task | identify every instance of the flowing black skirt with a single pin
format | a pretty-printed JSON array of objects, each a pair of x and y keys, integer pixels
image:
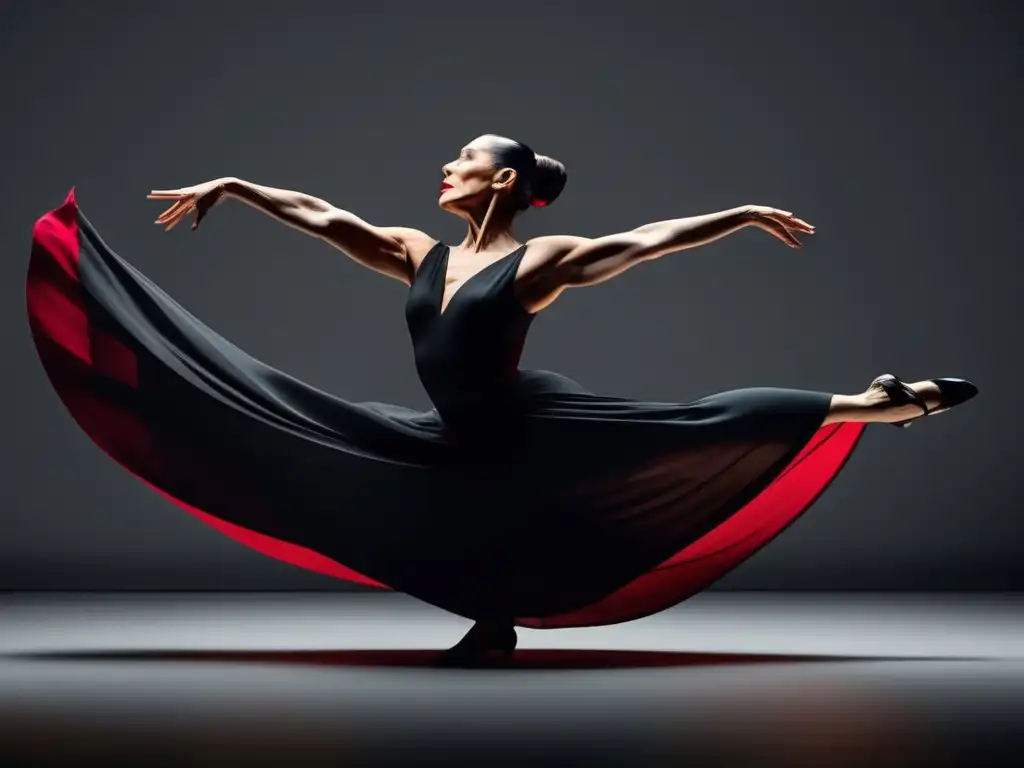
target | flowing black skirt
[{"x": 599, "y": 510}]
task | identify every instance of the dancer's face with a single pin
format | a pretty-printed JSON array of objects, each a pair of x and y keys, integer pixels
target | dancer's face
[{"x": 471, "y": 179}]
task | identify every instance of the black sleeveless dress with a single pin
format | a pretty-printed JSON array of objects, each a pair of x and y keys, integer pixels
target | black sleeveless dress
[{"x": 519, "y": 495}]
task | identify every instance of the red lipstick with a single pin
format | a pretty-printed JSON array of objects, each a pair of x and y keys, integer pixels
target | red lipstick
[{"x": 445, "y": 185}]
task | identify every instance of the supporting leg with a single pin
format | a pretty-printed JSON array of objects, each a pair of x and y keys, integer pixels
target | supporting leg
[{"x": 484, "y": 637}]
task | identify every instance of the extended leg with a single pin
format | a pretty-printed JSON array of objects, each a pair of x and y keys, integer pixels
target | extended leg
[{"x": 874, "y": 405}]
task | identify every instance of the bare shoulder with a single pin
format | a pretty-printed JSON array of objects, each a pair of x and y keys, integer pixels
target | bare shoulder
[
  {"x": 543, "y": 255},
  {"x": 415, "y": 244},
  {"x": 555, "y": 262},
  {"x": 537, "y": 282}
]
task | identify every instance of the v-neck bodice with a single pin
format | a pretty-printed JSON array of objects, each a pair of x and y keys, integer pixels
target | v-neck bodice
[
  {"x": 467, "y": 355},
  {"x": 442, "y": 274}
]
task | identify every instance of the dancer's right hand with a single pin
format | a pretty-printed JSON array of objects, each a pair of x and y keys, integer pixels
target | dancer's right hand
[{"x": 199, "y": 198}]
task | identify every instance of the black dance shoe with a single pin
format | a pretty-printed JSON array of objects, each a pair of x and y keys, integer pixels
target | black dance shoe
[
  {"x": 951, "y": 392},
  {"x": 483, "y": 638}
]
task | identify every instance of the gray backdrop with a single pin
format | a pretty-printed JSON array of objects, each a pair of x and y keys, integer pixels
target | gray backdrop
[{"x": 896, "y": 132}]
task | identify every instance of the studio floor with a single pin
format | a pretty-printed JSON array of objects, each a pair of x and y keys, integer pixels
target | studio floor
[{"x": 725, "y": 679}]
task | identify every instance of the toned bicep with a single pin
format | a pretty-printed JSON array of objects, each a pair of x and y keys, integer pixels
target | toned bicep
[
  {"x": 567, "y": 261},
  {"x": 391, "y": 251}
]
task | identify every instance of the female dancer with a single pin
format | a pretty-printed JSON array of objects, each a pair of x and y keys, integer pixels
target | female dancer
[{"x": 520, "y": 498}]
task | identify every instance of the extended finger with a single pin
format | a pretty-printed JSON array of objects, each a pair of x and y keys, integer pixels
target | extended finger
[
  {"x": 163, "y": 194},
  {"x": 792, "y": 222},
  {"x": 166, "y": 216},
  {"x": 176, "y": 220},
  {"x": 775, "y": 228},
  {"x": 179, "y": 202},
  {"x": 174, "y": 210},
  {"x": 167, "y": 213},
  {"x": 797, "y": 226}
]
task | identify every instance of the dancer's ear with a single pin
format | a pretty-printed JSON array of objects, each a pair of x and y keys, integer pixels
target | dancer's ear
[{"x": 504, "y": 179}]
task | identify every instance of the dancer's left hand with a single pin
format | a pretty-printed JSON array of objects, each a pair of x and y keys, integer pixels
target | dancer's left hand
[{"x": 781, "y": 224}]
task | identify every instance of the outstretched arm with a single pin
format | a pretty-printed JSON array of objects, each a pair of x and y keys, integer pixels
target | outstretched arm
[
  {"x": 560, "y": 261},
  {"x": 392, "y": 251}
]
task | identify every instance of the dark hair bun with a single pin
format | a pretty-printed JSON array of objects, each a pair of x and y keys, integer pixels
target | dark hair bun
[{"x": 548, "y": 180}]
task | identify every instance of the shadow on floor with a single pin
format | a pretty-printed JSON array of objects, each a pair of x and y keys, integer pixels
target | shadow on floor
[{"x": 523, "y": 659}]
